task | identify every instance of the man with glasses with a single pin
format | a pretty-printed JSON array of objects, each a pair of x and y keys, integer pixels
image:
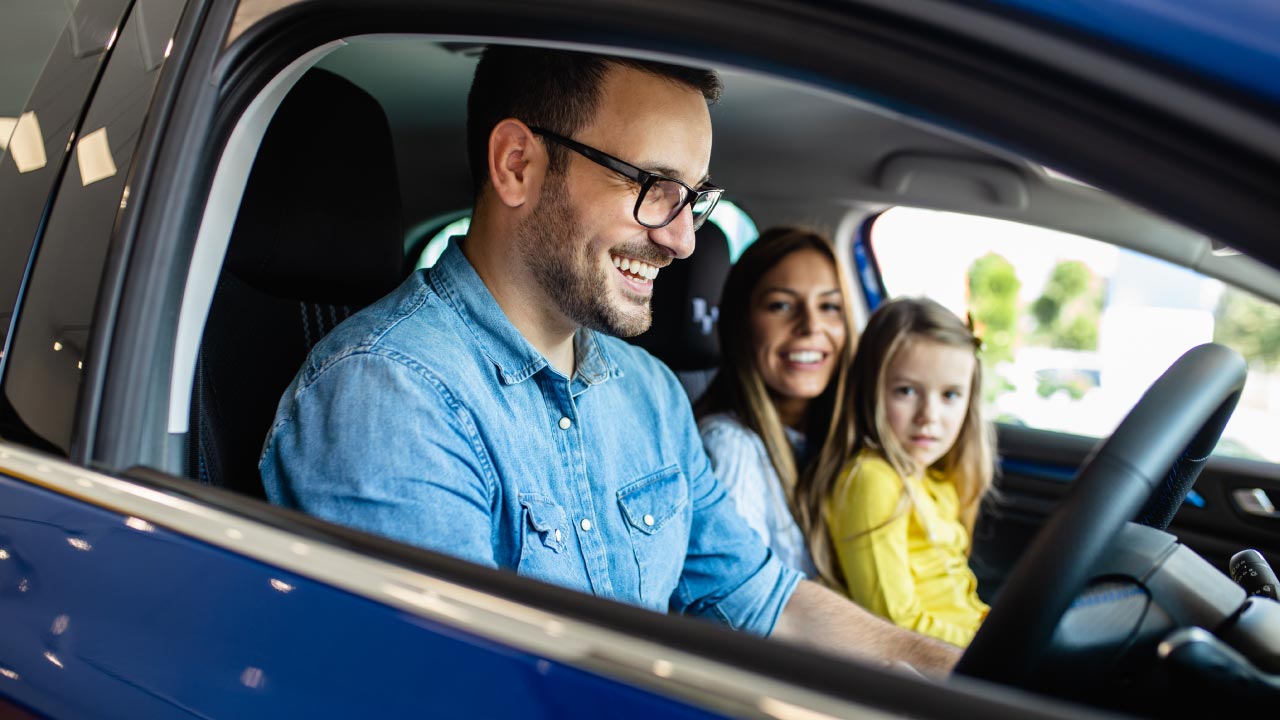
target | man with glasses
[{"x": 486, "y": 409}]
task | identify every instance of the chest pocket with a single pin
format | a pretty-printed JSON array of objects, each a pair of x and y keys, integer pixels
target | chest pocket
[
  {"x": 545, "y": 542},
  {"x": 658, "y": 515}
]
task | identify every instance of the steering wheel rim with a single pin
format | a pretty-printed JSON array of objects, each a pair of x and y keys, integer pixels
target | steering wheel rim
[{"x": 1178, "y": 420}]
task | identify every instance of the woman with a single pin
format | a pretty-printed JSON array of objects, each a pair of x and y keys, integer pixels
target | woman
[{"x": 786, "y": 346}]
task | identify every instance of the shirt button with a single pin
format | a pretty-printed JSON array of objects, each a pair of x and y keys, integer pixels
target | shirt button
[
  {"x": 565, "y": 423},
  {"x": 586, "y": 525},
  {"x": 648, "y": 520},
  {"x": 557, "y": 534}
]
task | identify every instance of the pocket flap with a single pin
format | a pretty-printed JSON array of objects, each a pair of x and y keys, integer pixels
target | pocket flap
[
  {"x": 547, "y": 519},
  {"x": 648, "y": 503}
]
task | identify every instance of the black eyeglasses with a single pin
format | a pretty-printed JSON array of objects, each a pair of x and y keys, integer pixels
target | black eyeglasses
[{"x": 661, "y": 198}]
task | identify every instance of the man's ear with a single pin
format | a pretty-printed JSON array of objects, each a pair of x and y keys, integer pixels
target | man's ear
[{"x": 517, "y": 162}]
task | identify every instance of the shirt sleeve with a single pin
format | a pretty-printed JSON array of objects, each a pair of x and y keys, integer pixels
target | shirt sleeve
[
  {"x": 429, "y": 465},
  {"x": 738, "y": 462},
  {"x": 869, "y": 529},
  {"x": 729, "y": 574}
]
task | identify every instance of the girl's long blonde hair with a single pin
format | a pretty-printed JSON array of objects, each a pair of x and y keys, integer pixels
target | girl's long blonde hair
[
  {"x": 969, "y": 463},
  {"x": 738, "y": 386}
]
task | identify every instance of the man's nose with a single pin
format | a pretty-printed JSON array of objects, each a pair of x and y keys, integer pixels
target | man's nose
[{"x": 676, "y": 236}]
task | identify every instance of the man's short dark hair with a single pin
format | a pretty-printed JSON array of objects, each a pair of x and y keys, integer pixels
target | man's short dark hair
[{"x": 554, "y": 89}]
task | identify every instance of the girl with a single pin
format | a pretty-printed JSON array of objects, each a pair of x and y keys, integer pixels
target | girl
[
  {"x": 901, "y": 512},
  {"x": 785, "y": 349}
]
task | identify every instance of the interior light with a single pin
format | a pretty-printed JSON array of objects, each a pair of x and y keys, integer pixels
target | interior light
[
  {"x": 93, "y": 153},
  {"x": 57, "y": 346},
  {"x": 26, "y": 145}
]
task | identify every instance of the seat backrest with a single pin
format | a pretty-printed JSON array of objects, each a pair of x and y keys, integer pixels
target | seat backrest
[
  {"x": 319, "y": 235},
  {"x": 686, "y": 308}
]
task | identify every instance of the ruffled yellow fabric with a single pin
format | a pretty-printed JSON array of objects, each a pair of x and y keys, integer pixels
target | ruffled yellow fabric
[{"x": 907, "y": 564}]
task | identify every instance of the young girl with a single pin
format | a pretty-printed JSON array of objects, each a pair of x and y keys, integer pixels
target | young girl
[{"x": 901, "y": 512}]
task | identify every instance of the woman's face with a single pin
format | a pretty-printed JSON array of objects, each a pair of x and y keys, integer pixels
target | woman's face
[{"x": 797, "y": 330}]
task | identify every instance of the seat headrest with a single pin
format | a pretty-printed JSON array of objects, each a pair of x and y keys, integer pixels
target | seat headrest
[
  {"x": 686, "y": 305},
  {"x": 321, "y": 216}
]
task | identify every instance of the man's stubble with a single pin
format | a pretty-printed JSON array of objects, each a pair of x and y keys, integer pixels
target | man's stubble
[{"x": 551, "y": 242}]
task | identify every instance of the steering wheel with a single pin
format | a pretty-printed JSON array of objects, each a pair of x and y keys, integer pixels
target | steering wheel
[{"x": 1148, "y": 464}]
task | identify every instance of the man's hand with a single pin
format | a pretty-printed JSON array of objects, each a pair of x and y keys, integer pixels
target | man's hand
[{"x": 817, "y": 617}]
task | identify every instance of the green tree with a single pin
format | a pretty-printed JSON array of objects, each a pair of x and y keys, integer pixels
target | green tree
[
  {"x": 1250, "y": 325},
  {"x": 993, "y": 303},
  {"x": 1068, "y": 311}
]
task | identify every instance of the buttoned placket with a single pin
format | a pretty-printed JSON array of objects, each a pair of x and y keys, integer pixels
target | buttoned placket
[{"x": 560, "y": 395}]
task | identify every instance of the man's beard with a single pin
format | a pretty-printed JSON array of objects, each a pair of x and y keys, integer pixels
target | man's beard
[{"x": 550, "y": 241}]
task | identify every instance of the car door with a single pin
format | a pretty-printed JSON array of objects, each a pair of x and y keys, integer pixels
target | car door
[{"x": 1074, "y": 330}]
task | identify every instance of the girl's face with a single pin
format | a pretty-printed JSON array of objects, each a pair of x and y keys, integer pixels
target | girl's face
[
  {"x": 926, "y": 397},
  {"x": 797, "y": 330}
]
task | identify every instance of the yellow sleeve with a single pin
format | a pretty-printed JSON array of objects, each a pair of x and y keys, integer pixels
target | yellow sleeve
[{"x": 873, "y": 550}]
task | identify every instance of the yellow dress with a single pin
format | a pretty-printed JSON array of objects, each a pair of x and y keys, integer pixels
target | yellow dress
[{"x": 895, "y": 568}]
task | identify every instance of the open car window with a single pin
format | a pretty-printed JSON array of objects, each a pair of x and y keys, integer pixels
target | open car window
[{"x": 1075, "y": 329}]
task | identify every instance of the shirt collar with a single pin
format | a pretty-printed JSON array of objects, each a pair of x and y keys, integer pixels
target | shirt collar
[{"x": 455, "y": 280}]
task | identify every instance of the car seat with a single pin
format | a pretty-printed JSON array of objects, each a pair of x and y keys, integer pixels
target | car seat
[
  {"x": 686, "y": 308},
  {"x": 319, "y": 235}
]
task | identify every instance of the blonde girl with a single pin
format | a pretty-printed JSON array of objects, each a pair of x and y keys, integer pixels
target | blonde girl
[{"x": 900, "y": 513}]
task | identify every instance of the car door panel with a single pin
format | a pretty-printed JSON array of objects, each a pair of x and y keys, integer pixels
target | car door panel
[{"x": 1036, "y": 470}]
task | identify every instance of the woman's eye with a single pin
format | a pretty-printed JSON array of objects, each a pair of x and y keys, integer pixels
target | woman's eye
[
  {"x": 904, "y": 391},
  {"x": 778, "y": 306},
  {"x": 833, "y": 307},
  {"x": 953, "y": 395}
]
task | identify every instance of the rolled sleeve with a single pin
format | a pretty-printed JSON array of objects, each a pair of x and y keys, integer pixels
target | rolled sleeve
[{"x": 729, "y": 574}]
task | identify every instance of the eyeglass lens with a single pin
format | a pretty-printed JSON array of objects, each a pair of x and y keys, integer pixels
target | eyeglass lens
[{"x": 664, "y": 199}]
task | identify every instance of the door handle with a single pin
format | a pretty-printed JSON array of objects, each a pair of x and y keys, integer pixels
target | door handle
[{"x": 1254, "y": 501}]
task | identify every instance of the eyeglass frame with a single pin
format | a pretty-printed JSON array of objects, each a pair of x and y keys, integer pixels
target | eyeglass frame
[{"x": 640, "y": 176}]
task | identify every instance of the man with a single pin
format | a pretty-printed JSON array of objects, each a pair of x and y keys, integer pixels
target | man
[{"x": 483, "y": 410}]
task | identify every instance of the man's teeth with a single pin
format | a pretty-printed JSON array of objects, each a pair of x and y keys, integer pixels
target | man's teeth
[
  {"x": 805, "y": 356},
  {"x": 635, "y": 267}
]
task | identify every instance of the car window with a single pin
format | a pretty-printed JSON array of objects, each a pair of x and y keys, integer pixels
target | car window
[
  {"x": 48, "y": 353},
  {"x": 28, "y": 35},
  {"x": 738, "y": 227},
  {"x": 1074, "y": 330}
]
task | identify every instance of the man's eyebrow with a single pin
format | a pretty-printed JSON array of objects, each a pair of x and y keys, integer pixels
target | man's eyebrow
[{"x": 674, "y": 174}]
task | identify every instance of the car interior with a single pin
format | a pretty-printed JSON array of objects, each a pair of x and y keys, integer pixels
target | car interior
[{"x": 350, "y": 164}]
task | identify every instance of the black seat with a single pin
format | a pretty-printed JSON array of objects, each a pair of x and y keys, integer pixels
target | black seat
[
  {"x": 686, "y": 308},
  {"x": 319, "y": 235}
]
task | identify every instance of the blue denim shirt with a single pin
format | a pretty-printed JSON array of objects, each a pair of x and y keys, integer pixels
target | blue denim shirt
[{"x": 430, "y": 419}]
